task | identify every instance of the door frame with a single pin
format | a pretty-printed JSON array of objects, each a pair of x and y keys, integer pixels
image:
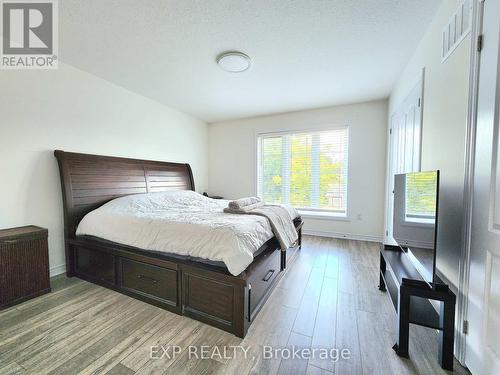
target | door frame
[
  {"x": 390, "y": 154},
  {"x": 470, "y": 147}
]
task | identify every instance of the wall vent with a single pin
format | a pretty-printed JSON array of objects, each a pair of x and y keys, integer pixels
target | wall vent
[{"x": 457, "y": 29}]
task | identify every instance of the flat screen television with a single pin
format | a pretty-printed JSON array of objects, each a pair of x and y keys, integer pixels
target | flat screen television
[{"x": 415, "y": 219}]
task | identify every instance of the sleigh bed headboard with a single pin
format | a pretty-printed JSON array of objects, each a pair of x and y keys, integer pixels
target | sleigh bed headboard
[{"x": 89, "y": 181}]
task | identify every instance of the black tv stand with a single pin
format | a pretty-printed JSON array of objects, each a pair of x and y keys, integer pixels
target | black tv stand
[{"x": 411, "y": 297}]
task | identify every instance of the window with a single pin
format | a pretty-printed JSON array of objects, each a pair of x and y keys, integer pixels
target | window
[
  {"x": 421, "y": 189},
  {"x": 306, "y": 169}
]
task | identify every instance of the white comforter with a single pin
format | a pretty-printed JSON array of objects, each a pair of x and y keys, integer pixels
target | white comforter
[{"x": 181, "y": 222}]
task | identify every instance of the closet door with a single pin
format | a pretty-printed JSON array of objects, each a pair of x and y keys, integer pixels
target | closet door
[{"x": 483, "y": 339}]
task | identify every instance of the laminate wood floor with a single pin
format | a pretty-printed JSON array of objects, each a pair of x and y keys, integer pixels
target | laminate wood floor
[{"x": 327, "y": 299}]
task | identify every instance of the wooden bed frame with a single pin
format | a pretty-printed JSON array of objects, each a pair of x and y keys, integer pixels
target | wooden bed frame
[{"x": 204, "y": 292}]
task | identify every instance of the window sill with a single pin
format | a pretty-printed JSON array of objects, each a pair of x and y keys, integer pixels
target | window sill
[
  {"x": 323, "y": 215},
  {"x": 416, "y": 224}
]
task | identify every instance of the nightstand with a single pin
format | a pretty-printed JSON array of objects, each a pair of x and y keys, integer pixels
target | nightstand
[{"x": 24, "y": 264}]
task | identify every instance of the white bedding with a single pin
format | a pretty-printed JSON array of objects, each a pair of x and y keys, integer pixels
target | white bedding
[{"x": 181, "y": 222}]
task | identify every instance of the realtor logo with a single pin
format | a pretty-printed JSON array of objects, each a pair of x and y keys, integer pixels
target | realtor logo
[{"x": 29, "y": 34}]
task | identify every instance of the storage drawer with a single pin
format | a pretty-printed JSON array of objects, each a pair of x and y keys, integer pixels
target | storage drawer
[
  {"x": 208, "y": 300},
  {"x": 265, "y": 272},
  {"x": 96, "y": 265},
  {"x": 149, "y": 281}
]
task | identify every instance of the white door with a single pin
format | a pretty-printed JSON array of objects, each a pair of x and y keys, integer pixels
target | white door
[
  {"x": 483, "y": 340},
  {"x": 405, "y": 144}
]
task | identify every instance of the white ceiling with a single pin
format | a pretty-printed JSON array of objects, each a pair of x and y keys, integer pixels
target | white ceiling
[{"x": 306, "y": 53}]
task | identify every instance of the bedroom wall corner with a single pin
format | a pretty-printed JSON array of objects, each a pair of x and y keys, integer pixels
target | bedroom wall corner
[
  {"x": 69, "y": 109},
  {"x": 232, "y": 162}
]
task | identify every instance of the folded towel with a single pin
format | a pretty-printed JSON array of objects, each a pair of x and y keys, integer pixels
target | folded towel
[
  {"x": 244, "y": 209},
  {"x": 243, "y": 202}
]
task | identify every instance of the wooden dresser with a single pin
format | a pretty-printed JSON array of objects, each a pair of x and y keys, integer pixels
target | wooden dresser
[{"x": 24, "y": 264}]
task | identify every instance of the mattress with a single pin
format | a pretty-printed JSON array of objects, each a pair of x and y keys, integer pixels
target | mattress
[{"x": 182, "y": 223}]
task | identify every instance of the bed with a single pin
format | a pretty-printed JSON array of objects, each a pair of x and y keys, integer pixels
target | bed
[{"x": 208, "y": 290}]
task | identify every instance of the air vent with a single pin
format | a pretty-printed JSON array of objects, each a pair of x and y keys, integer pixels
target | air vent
[{"x": 457, "y": 29}]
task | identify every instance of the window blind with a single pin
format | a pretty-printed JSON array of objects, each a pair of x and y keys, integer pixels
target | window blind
[
  {"x": 305, "y": 169},
  {"x": 421, "y": 189}
]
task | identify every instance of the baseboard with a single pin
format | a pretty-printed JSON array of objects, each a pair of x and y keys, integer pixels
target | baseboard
[
  {"x": 347, "y": 236},
  {"x": 57, "y": 270}
]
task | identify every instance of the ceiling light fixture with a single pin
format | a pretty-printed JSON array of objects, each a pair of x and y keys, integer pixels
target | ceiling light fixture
[{"x": 234, "y": 62}]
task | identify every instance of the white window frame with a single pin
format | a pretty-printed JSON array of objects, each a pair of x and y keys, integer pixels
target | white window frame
[
  {"x": 424, "y": 220},
  {"x": 309, "y": 212}
]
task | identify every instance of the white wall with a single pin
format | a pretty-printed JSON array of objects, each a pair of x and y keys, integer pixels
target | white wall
[
  {"x": 72, "y": 110},
  {"x": 443, "y": 133},
  {"x": 232, "y": 161}
]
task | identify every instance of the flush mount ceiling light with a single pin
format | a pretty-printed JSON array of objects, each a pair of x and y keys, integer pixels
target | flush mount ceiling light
[{"x": 234, "y": 62}]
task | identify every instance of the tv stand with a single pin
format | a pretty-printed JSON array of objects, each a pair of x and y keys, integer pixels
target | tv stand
[{"x": 411, "y": 297}]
